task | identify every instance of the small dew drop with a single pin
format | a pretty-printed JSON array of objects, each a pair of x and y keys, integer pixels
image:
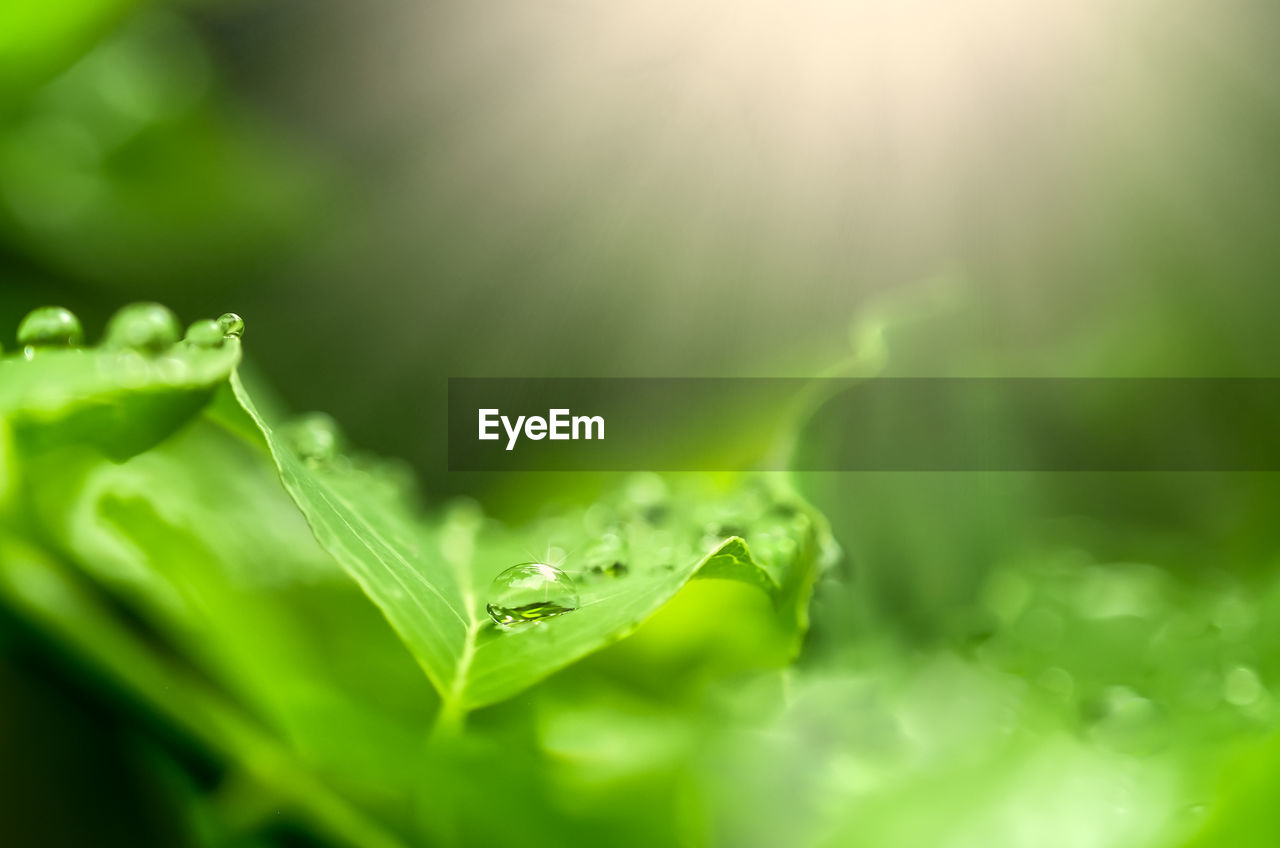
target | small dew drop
[
  {"x": 715, "y": 533},
  {"x": 1128, "y": 722},
  {"x": 1233, "y": 616},
  {"x": 783, "y": 509},
  {"x": 1006, "y": 595},
  {"x": 49, "y": 326},
  {"x": 1058, "y": 682},
  {"x": 529, "y": 593},
  {"x": 314, "y": 437},
  {"x": 143, "y": 327},
  {"x": 718, "y": 530},
  {"x": 232, "y": 325},
  {"x": 656, "y": 514},
  {"x": 1241, "y": 686},
  {"x": 205, "y": 334},
  {"x": 615, "y": 568}
]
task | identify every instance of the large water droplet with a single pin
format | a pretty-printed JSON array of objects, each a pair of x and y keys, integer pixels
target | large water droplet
[
  {"x": 143, "y": 327},
  {"x": 206, "y": 334},
  {"x": 232, "y": 325},
  {"x": 49, "y": 326},
  {"x": 531, "y": 592},
  {"x": 315, "y": 437}
]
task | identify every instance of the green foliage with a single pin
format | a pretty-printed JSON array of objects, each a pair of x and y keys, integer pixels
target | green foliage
[
  {"x": 306, "y": 619},
  {"x": 145, "y": 531},
  {"x": 120, "y": 404},
  {"x": 429, "y": 577}
]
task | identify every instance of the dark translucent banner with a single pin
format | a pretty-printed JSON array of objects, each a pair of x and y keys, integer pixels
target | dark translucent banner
[{"x": 919, "y": 424}]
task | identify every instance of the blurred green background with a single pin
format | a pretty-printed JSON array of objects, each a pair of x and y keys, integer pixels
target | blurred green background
[{"x": 392, "y": 193}]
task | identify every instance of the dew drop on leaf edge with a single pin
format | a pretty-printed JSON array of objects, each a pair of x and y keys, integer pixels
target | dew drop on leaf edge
[
  {"x": 529, "y": 593},
  {"x": 232, "y": 325},
  {"x": 49, "y": 326},
  {"x": 314, "y": 437},
  {"x": 143, "y": 327}
]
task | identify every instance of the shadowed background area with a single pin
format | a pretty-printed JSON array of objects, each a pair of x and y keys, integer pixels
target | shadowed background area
[{"x": 398, "y": 192}]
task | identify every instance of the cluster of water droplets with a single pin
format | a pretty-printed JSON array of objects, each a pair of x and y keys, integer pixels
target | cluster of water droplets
[
  {"x": 1129, "y": 654},
  {"x": 642, "y": 535},
  {"x": 142, "y": 330},
  {"x": 530, "y": 593}
]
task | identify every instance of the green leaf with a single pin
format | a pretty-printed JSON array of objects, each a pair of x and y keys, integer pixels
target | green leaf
[
  {"x": 60, "y": 602},
  {"x": 39, "y": 39},
  {"x": 430, "y": 577},
  {"x": 185, "y": 574},
  {"x": 119, "y": 402}
]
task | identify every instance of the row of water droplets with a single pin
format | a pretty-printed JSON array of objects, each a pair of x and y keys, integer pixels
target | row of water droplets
[
  {"x": 536, "y": 591},
  {"x": 149, "y": 329}
]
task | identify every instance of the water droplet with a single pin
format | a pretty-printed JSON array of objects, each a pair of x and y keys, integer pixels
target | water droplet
[
  {"x": 49, "y": 326},
  {"x": 645, "y": 489},
  {"x": 314, "y": 437},
  {"x": 617, "y": 568},
  {"x": 531, "y": 592},
  {"x": 1123, "y": 590},
  {"x": 1241, "y": 686},
  {"x": 1234, "y": 617},
  {"x": 716, "y": 532},
  {"x": 1006, "y": 595},
  {"x": 655, "y": 514},
  {"x": 144, "y": 327},
  {"x": 1128, "y": 722},
  {"x": 783, "y": 509},
  {"x": 1193, "y": 815},
  {"x": 232, "y": 325},
  {"x": 206, "y": 334},
  {"x": 724, "y": 531},
  {"x": 1058, "y": 682}
]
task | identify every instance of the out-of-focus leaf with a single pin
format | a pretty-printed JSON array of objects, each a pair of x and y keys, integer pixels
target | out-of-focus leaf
[
  {"x": 189, "y": 556},
  {"x": 1246, "y": 814},
  {"x": 119, "y": 402},
  {"x": 38, "y": 39},
  {"x": 430, "y": 578},
  {"x": 58, "y": 601},
  {"x": 198, "y": 538}
]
